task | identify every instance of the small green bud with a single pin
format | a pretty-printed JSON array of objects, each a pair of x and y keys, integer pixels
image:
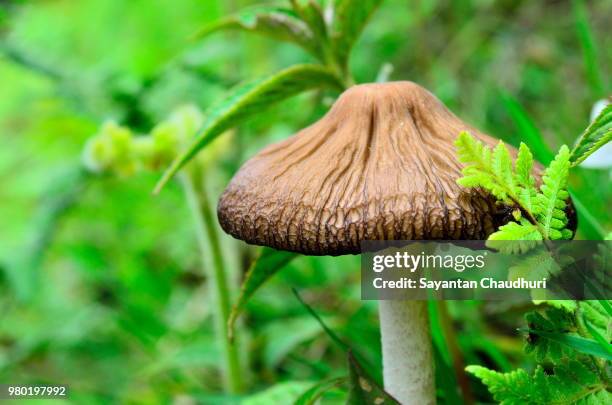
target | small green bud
[
  {"x": 143, "y": 150},
  {"x": 120, "y": 139},
  {"x": 115, "y": 149},
  {"x": 97, "y": 155},
  {"x": 110, "y": 150},
  {"x": 166, "y": 143}
]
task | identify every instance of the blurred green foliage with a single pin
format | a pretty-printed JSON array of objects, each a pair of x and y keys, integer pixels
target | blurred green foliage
[{"x": 100, "y": 282}]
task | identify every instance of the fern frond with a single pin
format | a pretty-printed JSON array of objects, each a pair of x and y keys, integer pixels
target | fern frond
[
  {"x": 472, "y": 151},
  {"x": 525, "y": 180},
  {"x": 552, "y": 196},
  {"x": 502, "y": 167},
  {"x": 527, "y": 199},
  {"x": 523, "y": 167},
  {"x": 494, "y": 172},
  {"x": 515, "y": 387},
  {"x": 514, "y": 238},
  {"x": 570, "y": 383},
  {"x": 535, "y": 266},
  {"x": 483, "y": 169}
]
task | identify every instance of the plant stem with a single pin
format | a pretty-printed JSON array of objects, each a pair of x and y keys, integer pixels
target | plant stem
[
  {"x": 406, "y": 351},
  {"x": 210, "y": 248},
  {"x": 455, "y": 351}
]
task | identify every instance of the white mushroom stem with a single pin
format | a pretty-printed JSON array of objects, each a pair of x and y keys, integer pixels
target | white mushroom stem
[{"x": 408, "y": 369}]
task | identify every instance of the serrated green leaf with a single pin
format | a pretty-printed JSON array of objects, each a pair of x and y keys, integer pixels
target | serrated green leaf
[
  {"x": 554, "y": 321},
  {"x": 594, "y": 137},
  {"x": 275, "y": 22},
  {"x": 269, "y": 262},
  {"x": 247, "y": 100},
  {"x": 363, "y": 390},
  {"x": 312, "y": 14},
  {"x": 313, "y": 394},
  {"x": 350, "y": 18}
]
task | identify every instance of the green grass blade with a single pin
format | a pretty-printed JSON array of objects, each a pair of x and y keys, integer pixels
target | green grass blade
[
  {"x": 247, "y": 100},
  {"x": 363, "y": 390},
  {"x": 583, "y": 211},
  {"x": 585, "y": 36},
  {"x": 529, "y": 132},
  {"x": 445, "y": 374},
  {"x": 580, "y": 344},
  {"x": 311, "y": 396},
  {"x": 332, "y": 335}
]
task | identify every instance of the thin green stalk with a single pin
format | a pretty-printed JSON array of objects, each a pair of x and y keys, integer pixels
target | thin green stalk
[
  {"x": 25, "y": 62},
  {"x": 446, "y": 323},
  {"x": 210, "y": 247}
]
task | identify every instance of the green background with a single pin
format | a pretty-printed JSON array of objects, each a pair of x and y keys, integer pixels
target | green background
[{"x": 101, "y": 285}]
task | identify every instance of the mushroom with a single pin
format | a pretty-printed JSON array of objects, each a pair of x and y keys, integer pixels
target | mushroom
[{"x": 380, "y": 165}]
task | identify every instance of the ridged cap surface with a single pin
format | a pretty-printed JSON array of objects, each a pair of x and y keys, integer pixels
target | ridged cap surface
[{"x": 380, "y": 165}]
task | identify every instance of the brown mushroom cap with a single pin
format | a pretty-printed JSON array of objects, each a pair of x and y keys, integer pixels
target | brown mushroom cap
[{"x": 380, "y": 165}]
